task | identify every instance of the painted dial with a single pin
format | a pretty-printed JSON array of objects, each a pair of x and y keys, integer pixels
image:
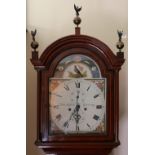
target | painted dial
[
  {"x": 77, "y": 106},
  {"x": 77, "y": 66},
  {"x": 77, "y": 70}
]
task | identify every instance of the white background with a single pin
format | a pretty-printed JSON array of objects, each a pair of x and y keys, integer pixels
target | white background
[{"x": 13, "y": 77}]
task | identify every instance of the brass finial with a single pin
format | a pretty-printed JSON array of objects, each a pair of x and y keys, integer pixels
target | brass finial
[
  {"x": 120, "y": 44},
  {"x": 77, "y": 19},
  {"x": 34, "y": 44}
]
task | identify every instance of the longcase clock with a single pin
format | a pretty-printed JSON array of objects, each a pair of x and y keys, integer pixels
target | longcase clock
[{"x": 77, "y": 94}]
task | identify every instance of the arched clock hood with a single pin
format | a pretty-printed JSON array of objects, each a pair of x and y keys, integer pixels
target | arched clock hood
[{"x": 79, "y": 41}]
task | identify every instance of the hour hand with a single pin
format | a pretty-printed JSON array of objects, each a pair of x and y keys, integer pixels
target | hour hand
[
  {"x": 73, "y": 113},
  {"x": 66, "y": 124}
]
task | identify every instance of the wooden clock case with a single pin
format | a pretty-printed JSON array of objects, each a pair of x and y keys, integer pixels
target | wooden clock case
[{"x": 109, "y": 64}]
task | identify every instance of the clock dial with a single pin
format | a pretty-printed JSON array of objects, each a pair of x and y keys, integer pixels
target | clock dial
[
  {"x": 77, "y": 97},
  {"x": 77, "y": 106},
  {"x": 77, "y": 66}
]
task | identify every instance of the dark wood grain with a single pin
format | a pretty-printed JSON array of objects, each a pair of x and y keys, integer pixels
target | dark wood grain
[{"x": 109, "y": 64}]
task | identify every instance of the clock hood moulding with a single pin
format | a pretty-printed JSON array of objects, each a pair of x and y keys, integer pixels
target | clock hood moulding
[{"x": 111, "y": 60}]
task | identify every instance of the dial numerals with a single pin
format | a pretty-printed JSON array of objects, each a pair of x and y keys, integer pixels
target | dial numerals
[
  {"x": 77, "y": 84},
  {"x": 88, "y": 88},
  {"x": 66, "y": 87},
  {"x": 66, "y": 124},
  {"x": 95, "y": 96},
  {"x": 88, "y": 126},
  {"x": 58, "y": 117},
  {"x": 96, "y": 117},
  {"x": 99, "y": 107}
]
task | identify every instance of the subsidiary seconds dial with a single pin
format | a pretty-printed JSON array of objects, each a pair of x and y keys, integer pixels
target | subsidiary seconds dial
[{"x": 77, "y": 106}]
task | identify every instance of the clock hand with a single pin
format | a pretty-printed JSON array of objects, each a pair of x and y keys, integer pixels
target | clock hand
[
  {"x": 73, "y": 113},
  {"x": 77, "y": 71},
  {"x": 76, "y": 115},
  {"x": 77, "y": 118},
  {"x": 69, "y": 118}
]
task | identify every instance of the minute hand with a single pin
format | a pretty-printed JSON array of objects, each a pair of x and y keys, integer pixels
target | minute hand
[{"x": 75, "y": 110}]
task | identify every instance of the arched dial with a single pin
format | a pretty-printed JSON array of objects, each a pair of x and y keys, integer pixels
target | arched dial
[
  {"x": 77, "y": 70},
  {"x": 77, "y": 106}
]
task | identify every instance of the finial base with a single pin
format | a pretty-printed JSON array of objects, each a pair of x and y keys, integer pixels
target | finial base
[
  {"x": 120, "y": 54},
  {"x": 34, "y": 55},
  {"x": 77, "y": 30}
]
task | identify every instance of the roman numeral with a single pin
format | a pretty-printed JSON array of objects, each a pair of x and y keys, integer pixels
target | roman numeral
[
  {"x": 95, "y": 117},
  {"x": 96, "y": 95},
  {"x": 99, "y": 107},
  {"x": 88, "y": 88},
  {"x": 66, "y": 124},
  {"x": 58, "y": 117},
  {"x": 88, "y": 125},
  {"x": 77, "y": 84},
  {"x": 66, "y": 87}
]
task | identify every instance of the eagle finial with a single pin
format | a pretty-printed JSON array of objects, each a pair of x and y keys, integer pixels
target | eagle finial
[
  {"x": 120, "y": 44},
  {"x": 120, "y": 33},
  {"x": 34, "y": 44},
  {"x": 33, "y": 33},
  {"x": 77, "y": 9}
]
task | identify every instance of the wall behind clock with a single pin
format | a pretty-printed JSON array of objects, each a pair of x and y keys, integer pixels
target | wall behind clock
[{"x": 53, "y": 20}]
